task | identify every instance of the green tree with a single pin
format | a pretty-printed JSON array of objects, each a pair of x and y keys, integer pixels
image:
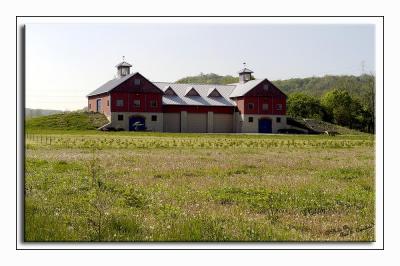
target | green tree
[
  {"x": 344, "y": 109},
  {"x": 304, "y": 106}
]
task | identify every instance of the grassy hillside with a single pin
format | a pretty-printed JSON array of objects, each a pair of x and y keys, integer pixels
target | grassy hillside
[
  {"x": 322, "y": 126},
  {"x": 317, "y": 86},
  {"x": 67, "y": 121}
]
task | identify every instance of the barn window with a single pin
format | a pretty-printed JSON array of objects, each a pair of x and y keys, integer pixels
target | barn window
[
  {"x": 153, "y": 103},
  {"x": 265, "y": 107},
  {"x": 169, "y": 91},
  {"x": 137, "y": 82},
  {"x": 153, "y": 118},
  {"x": 136, "y": 103},
  {"x": 213, "y": 92},
  {"x": 250, "y": 119},
  {"x": 266, "y": 87},
  {"x": 278, "y": 120},
  {"x": 191, "y": 92},
  {"x": 250, "y": 106},
  {"x": 279, "y": 107},
  {"x": 120, "y": 103},
  {"x": 120, "y": 117}
]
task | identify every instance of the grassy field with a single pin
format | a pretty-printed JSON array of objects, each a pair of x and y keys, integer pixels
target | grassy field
[{"x": 124, "y": 186}]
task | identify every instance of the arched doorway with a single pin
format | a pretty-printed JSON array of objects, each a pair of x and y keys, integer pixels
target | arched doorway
[
  {"x": 137, "y": 123},
  {"x": 264, "y": 125}
]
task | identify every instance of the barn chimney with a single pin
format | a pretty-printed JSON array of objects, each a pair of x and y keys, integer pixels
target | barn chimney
[
  {"x": 244, "y": 74},
  {"x": 123, "y": 68}
]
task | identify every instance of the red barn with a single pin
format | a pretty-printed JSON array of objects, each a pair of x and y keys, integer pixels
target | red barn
[{"x": 132, "y": 102}]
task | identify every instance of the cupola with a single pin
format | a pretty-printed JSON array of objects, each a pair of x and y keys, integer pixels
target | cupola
[
  {"x": 123, "y": 68},
  {"x": 244, "y": 74}
]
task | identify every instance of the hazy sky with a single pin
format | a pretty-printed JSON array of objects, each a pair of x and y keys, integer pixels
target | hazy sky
[{"x": 65, "y": 62}]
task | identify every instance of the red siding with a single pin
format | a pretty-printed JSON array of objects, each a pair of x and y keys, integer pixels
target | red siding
[
  {"x": 128, "y": 98},
  {"x": 145, "y": 86},
  {"x": 198, "y": 109},
  {"x": 128, "y": 92},
  {"x": 258, "y": 96}
]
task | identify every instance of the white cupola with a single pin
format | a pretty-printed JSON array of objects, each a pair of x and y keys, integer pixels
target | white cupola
[
  {"x": 123, "y": 68},
  {"x": 244, "y": 74}
]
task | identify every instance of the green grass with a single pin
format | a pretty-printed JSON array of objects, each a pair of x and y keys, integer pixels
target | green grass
[
  {"x": 67, "y": 121},
  {"x": 123, "y": 186}
]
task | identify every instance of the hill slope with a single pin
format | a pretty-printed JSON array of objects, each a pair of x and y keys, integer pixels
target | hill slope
[
  {"x": 315, "y": 86},
  {"x": 67, "y": 121},
  {"x": 319, "y": 127}
]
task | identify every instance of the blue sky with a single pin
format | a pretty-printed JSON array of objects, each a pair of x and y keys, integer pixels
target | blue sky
[{"x": 64, "y": 62}]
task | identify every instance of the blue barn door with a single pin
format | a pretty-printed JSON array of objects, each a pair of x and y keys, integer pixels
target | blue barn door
[
  {"x": 265, "y": 126},
  {"x": 137, "y": 123}
]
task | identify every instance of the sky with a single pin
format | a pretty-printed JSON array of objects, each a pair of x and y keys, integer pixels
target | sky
[{"x": 65, "y": 62}]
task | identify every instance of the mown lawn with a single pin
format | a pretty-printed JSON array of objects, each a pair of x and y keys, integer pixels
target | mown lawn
[{"x": 122, "y": 186}]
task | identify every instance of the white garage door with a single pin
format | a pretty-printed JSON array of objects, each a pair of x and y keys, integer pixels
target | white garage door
[
  {"x": 172, "y": 122},
  {"x": 197, "y": 122},
  {"x": 223, "y": 123}
]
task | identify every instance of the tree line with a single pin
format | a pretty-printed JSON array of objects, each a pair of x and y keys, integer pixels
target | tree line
[{"x": 336, "y": 106}]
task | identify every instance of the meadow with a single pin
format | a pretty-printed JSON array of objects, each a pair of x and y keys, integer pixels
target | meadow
[{"x": 124, "y": 186}]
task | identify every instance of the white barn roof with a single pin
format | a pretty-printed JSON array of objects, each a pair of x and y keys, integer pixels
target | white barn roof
[
  {"x": 243, "y": 88},
  {"x": 202, "y": 89}
]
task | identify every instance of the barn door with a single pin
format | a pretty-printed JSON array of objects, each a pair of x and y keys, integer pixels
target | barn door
[
  {"x": 98, "y": 105},
  {"x": 264, "y": 125},
  {"x": 137, "y": 123}
]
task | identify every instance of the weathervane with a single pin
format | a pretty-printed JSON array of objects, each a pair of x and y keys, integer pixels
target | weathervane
[
  {"x": 123, "y": 58},
  {"x": 244, "y": 64}
]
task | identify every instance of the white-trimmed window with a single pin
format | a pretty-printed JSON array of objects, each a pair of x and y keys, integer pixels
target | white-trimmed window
[
  {"x": 120, "y": 103},
  {"x": 137, "y": 82},
  {"x": 279, "y": 107},
  {"x": 265, "y": 107},
  {"x": 250, "y": 106},
  {"x": 136, "y": 103}
]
